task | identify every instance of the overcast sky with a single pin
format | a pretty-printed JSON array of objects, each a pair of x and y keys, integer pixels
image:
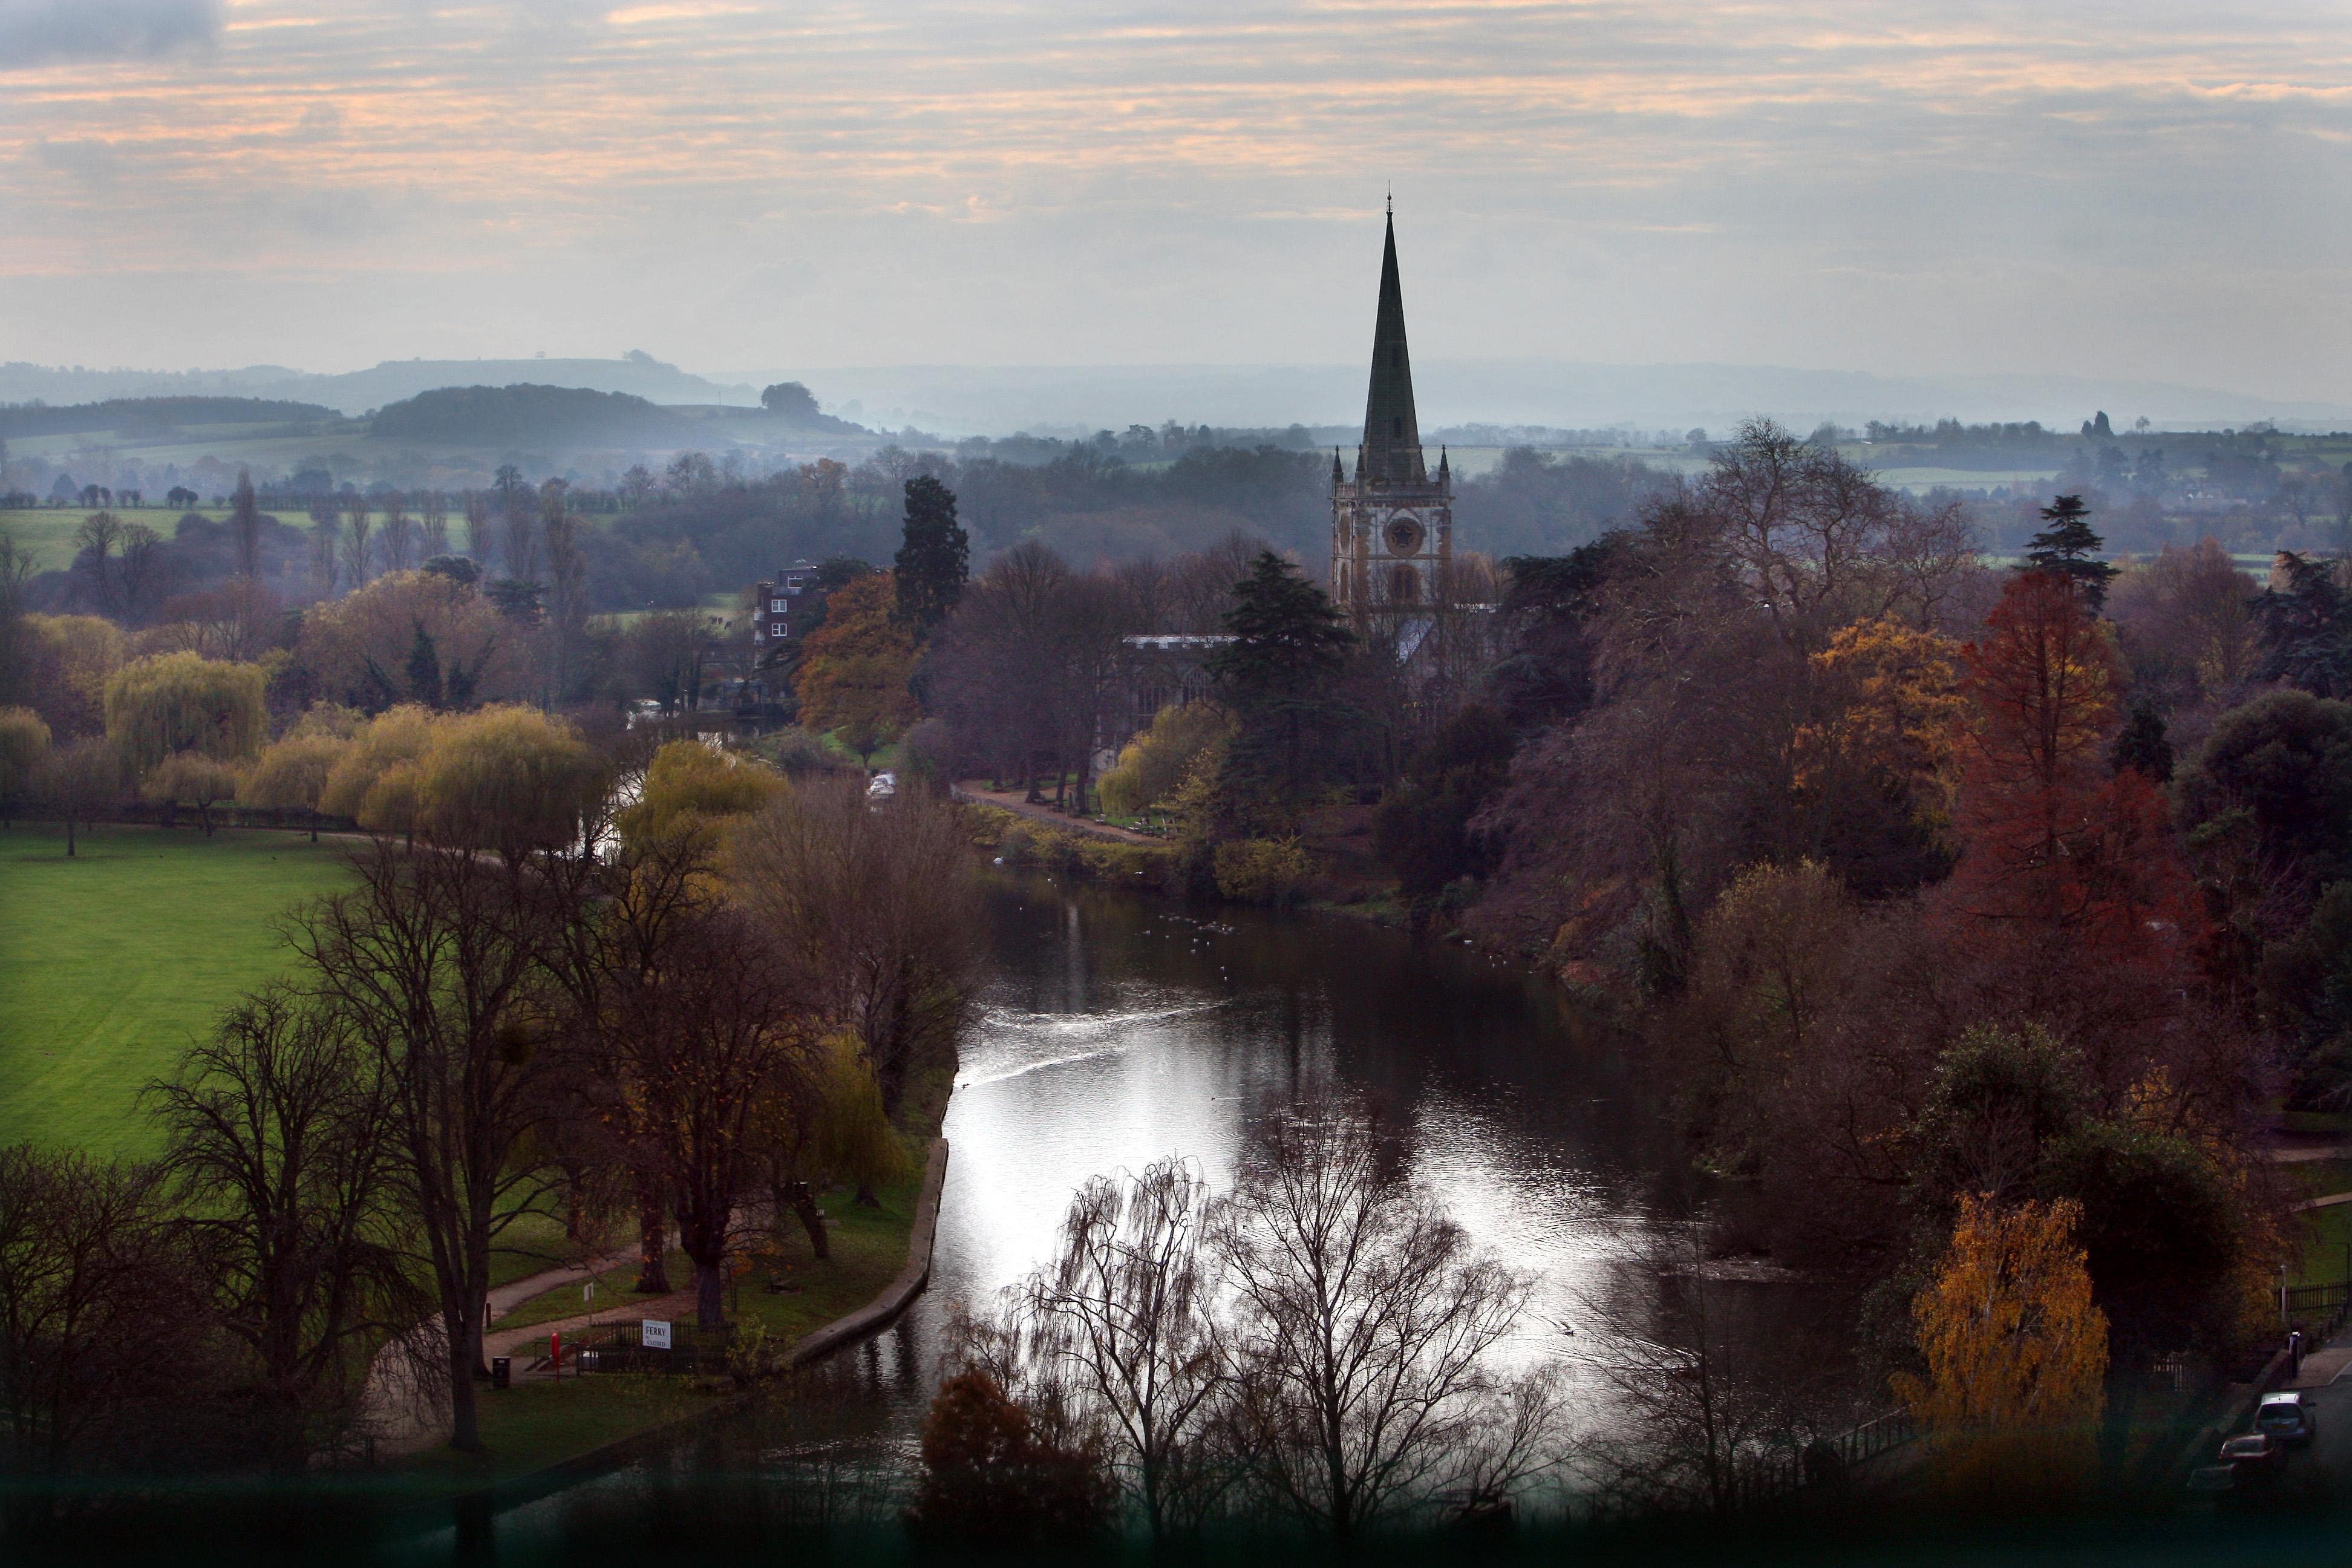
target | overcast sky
[{"x": 2152, "y": 189}]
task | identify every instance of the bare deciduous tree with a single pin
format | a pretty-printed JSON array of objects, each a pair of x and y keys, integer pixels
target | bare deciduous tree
[
  {"x": 96, "y": 1307},
  {"x": 432, "y": 521},
  {"x": 478, "y": 526},
  {"x": 1120, "y": 1325},
  {"x": 358, "y": 551},
  {"x": 874, "y": 914},
  {"x": 277, "y": 1145},
  {"x": 1705, "y": 1397},
  {"x": 399, "y": 534},
  {"x": 446, "y": 965},
  {"x": 1363, "y": 1324},
  {"x": 697, "y": 1034}
]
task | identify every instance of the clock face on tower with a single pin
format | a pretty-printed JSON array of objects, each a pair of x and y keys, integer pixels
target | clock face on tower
[{"x": 1404, "y": 534}]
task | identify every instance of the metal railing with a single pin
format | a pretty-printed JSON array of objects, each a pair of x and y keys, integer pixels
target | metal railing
[{"x": 1767, "y": 1477}]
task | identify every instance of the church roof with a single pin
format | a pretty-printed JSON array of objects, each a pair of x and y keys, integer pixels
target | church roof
[{"x": 1391, "y": 430}]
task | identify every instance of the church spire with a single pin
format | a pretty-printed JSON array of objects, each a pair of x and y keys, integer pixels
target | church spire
[{"x": 1391, "y": 430}]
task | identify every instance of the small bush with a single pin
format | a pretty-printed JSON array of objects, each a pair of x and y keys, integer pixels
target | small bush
[
  {"x": 1263, "y": 870},
  {"x": 989, "y": 1481}
]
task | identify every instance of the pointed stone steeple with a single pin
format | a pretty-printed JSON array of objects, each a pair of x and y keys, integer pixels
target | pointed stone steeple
[
  {"x": 1392, "y": 521},
  {"x": 1391, "y": 430}
]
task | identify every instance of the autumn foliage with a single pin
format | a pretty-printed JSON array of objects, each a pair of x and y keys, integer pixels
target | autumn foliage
[
  {"x": 2016, "y": 1351},
  {"x": 2060, "y": 851},
  {"x": 854, "y": 668}
]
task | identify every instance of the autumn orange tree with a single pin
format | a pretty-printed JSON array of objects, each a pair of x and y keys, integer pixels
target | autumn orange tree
[
  {"x": 854, "y": 668},
  {"x": 2016, "y": 1351}
]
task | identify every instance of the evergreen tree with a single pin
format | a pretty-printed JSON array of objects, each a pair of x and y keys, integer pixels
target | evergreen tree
[
  {"x": 935, "y": 557},
  {"x": 245, "y": 526},
  {"x": 1289, "y": 647},
  {"x": 2305, "y": 628},
  {"x": 424, "y": 669},
  {"x": 2068, "y": 546},
  {"x": 2143, "y": 746}
]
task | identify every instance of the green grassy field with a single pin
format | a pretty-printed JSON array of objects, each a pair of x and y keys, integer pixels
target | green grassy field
[{"x": 111, "y": 961}]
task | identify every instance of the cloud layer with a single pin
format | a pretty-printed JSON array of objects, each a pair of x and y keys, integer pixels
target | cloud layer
[
  {"x": 2155, "y": 190},
  {"x": 37, "y": 32}
]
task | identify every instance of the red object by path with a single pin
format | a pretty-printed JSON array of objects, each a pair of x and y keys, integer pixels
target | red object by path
[{"x": 555, "y": 1354}]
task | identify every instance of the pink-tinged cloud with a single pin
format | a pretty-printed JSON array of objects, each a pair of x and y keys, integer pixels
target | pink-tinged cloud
[{"x": 1987, "y": 187}]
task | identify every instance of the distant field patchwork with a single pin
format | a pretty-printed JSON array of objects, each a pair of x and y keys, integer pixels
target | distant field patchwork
[{"x": 111, "y": 961}]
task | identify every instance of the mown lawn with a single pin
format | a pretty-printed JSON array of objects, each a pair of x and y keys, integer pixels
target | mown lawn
[{"x": 111, "y": 961}]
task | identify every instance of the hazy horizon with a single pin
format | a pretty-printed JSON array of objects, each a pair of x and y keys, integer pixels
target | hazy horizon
[{"x": 2144, "y": 193}]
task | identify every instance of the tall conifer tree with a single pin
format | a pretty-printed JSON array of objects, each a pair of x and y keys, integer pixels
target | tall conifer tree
[
  {"x": 2069, "y": 546},
  {"x": 935, "y": 557}
]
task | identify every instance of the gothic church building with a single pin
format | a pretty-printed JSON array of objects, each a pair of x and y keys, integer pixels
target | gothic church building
[{"x": 1392, "y": 523}]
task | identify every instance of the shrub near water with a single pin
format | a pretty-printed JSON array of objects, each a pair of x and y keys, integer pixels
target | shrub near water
[{"x": 1263, "y": 871}]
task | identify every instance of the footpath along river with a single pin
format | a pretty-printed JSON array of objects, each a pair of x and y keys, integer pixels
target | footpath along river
[{"x": 1116, "y": 1031}]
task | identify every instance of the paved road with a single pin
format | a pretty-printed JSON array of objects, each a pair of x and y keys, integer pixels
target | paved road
[{"x": 2320, "y": 1476}]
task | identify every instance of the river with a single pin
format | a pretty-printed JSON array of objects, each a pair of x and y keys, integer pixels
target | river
[{"x": 1115, "y": 1031}]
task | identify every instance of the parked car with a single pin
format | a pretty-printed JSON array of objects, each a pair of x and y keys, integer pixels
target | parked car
[
  {"x": 2250, "y": 1450},
  {"x": 2212, "y": 1484},
  {"x": 2283, "y": 1417},
  {"x": 882, "y": 786}
]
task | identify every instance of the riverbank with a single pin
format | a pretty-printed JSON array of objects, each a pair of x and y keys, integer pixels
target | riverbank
[{"x": 578, "y": 1425}]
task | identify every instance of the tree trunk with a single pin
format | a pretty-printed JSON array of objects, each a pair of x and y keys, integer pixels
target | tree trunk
[
  {"x": 710, "y": 1304},
  {"x": 464, "y": 1412},
  {"x": 69, "y": 839},
  {"x": 802, "y": 1200},
  {"x": 653, "y": 1279}
]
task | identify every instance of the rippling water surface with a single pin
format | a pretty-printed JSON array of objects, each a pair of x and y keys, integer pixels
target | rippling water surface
[{"x": 1115, "y": 1032}]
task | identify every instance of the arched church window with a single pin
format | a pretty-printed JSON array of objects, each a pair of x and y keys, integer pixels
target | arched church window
[{"x": 1405, "y": 585}]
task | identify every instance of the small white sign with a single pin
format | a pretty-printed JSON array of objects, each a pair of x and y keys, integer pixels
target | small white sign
[{"x": 653, "y": 1334}]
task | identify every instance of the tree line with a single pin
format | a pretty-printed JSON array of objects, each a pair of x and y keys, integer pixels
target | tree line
[{"x": 684, "y": 1022}]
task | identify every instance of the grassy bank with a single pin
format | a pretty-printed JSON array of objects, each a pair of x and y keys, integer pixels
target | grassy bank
[
  {"x": 1023, "y": 841},
  {"x": 536, "y": 1425},
  {"x": 111, "y": 961}
]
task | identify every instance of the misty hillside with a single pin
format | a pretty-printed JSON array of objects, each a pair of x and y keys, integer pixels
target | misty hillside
[
  {"x": 527, "y": 416},
  {"x": 147, "y": 417},
  {"x": 638, "y": 373},
  {"x": 998, "y": 400}
]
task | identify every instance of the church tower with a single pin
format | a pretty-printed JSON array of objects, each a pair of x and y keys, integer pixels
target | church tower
[{"x": 1392, "y": 523}]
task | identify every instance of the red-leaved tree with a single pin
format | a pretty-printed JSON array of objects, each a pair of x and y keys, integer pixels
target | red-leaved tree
[{"x": 2070, "y": 886}]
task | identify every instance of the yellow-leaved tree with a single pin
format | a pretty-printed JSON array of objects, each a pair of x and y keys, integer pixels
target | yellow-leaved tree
[
  {"x": 292, "y": 774},
  {"x": 183, "y": 702},
  {"x": 374, "y": 781},
  {"x": 690, "y": 786},
  {"x": 509, "y": 781},
  {"x": 1156, "y": 761},
  {"x": 1902, "y": 713},
  {"x": 2016, "y": 1349}
]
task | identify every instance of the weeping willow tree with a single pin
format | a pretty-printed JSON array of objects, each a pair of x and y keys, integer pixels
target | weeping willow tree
[
  {"x": 177, "y": 702},
  {"x": 835, "y": 1132}
]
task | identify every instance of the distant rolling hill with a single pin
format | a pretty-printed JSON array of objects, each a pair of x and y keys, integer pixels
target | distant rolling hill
[
  {"x": 150, "y": 417},
  {"x": 638, "y": 373},
  {"x": 527, "y": 416}
]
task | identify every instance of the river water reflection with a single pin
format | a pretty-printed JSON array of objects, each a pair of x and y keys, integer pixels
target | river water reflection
[{"x": 1117, "y": 1031}]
